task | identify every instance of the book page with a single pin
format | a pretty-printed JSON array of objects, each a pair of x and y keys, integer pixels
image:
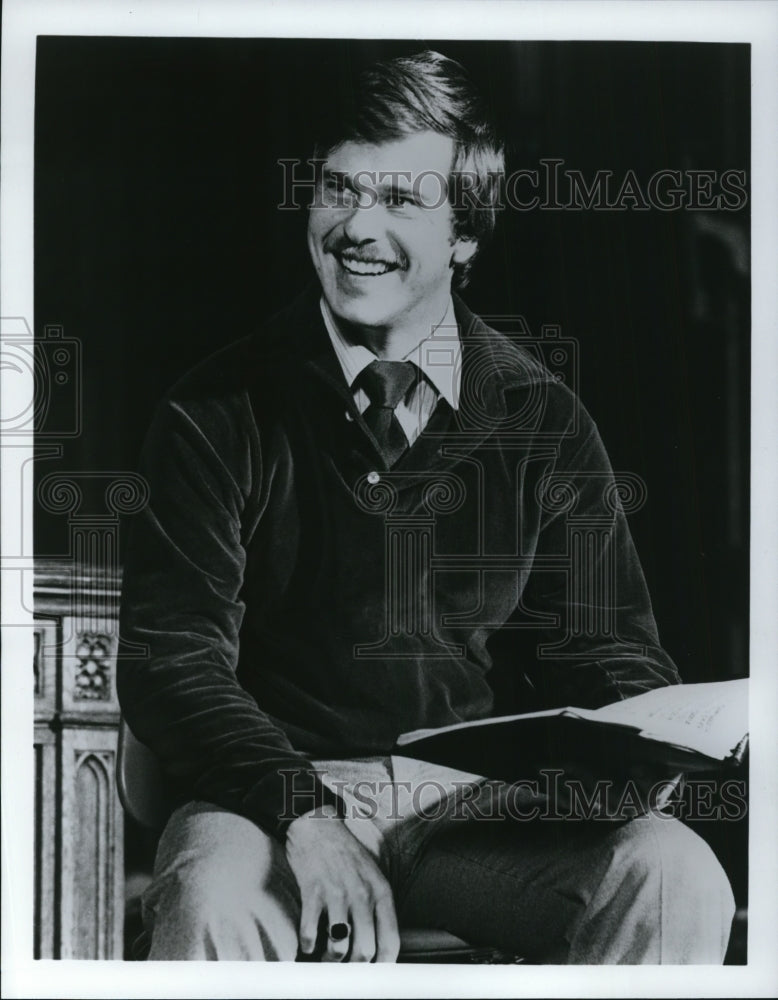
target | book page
[
  {"x": 710, "y": 718},
  {"x": 421, "y": 734}
]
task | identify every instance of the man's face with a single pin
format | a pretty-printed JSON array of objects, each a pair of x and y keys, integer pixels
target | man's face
[{"x": 381, "y": 232}]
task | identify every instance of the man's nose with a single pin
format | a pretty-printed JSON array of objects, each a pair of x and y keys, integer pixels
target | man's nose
[{"x": 364, "y": 220}]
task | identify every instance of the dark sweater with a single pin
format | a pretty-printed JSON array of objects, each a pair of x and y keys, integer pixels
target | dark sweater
[{"x": 258, "y": 574}]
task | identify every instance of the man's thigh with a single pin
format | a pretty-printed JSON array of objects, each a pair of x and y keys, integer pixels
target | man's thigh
[
  {"x": 222, "y": 888},
  {"x": 646, "y": 891}
]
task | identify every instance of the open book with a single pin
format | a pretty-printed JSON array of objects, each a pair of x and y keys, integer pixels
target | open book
[{"x": 692, "y": 726}]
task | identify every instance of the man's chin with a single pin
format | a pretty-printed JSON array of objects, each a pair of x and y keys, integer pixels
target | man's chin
[{"x": 362, "y": 311}]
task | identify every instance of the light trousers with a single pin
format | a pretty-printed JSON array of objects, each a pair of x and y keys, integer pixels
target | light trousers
[{"x": 460, "y": 857}]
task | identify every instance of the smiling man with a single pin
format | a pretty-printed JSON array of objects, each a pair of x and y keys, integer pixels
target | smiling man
[
  {"x": 382, "y": 239},
  {"x": 351, "y": 512}
]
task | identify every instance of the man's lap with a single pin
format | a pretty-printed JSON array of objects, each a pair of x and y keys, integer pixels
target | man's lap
[
  {"x": 573, "y": 891},
  {"x": 459, "y": 861}
]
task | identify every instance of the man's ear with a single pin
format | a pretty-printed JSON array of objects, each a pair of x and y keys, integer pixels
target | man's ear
[{"x": 463, "y": 250}]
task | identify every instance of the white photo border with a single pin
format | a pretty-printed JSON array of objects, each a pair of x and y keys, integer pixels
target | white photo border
[{"x": 755, "y": 23}]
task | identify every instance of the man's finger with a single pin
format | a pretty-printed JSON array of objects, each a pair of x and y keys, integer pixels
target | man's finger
[
  {"x": 338, "y": 933},
  {"x": 363, "y": 943},
  {"x": 309, "y": 924},
  {"x": 386, "y": 930}
]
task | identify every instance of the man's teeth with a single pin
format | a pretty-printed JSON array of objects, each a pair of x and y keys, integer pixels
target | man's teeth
[{"x": 365, "y": 267}]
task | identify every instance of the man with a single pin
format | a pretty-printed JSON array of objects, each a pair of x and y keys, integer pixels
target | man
[{"x": 350, "y": 511}]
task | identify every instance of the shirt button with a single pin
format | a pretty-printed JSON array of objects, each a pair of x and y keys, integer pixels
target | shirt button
[
  {"x": 349, "y": 417},
  {"x": 373, "y": 478}
]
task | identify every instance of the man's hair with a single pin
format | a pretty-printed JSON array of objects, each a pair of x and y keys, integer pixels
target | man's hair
[{"x": 399, "y": 97}]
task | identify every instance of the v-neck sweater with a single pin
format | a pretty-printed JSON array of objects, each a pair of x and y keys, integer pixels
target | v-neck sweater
[{"x": 298, "y": 600}]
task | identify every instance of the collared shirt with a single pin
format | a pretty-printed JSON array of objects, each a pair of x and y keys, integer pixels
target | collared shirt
[{"x": 438, "y": 356}]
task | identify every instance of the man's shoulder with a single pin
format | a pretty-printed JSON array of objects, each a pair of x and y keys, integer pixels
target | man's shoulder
[
  {"x": 229, "y": 396},
  {"x": 508, "y": 371},
  {"x": 256, "y": 360}
]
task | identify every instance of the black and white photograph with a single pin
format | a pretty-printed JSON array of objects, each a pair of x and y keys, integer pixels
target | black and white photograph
[{"x": 386, "y": 524}]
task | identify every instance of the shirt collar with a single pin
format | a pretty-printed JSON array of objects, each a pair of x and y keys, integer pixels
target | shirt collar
[{"x": 439, "y": 356}]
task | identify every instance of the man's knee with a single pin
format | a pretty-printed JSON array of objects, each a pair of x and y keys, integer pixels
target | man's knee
[
  {"x": 663, "y": 895},
  {"x": 665, "y": 855},
  {"x": 221, "y": 898}
]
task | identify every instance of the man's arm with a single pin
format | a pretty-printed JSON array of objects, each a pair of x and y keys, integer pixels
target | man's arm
[
  {"x": 180, "y": 598},
  {"x": 603, "y": 644}
]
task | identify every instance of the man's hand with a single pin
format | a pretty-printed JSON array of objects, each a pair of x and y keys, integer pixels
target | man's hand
[{"x": 340, "y": 884}]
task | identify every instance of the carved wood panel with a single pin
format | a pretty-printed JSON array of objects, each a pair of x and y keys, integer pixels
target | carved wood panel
[
  {"x": 89, "y": 666},
  {"x": 79, "y": 824},
  {"x": 92, "y": 850},
  {"x": 45, "y": 899}
]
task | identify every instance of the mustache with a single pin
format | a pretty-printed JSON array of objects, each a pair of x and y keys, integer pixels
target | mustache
[{"x": 367, "y": 254}]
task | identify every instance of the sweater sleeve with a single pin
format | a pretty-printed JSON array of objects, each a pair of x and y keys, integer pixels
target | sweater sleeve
[
  {"x": 599, "y": 643},
  {"x": 181, "y": 600}
]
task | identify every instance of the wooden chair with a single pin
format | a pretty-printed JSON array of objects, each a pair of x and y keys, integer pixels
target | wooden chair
[{"x": 141, "y": 791}]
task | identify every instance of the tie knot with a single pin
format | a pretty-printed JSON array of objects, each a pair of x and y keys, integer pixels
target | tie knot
[{"x": 387, "y": 382}]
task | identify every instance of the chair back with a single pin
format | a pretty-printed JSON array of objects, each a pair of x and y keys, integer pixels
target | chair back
[{"x": 140, "y": 782}]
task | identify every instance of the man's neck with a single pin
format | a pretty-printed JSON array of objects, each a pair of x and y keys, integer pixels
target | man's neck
[{"x": 396, "y": 342}]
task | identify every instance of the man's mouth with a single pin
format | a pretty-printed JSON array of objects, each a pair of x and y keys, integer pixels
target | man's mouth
[{"x": 366, "y": 268}]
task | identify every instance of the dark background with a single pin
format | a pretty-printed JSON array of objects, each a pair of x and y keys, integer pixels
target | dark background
[{"x": 157, "y": 240}]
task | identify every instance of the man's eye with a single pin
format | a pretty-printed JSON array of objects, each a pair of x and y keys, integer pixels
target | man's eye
[
  {"x": 337, "y": 192},
  {"x": 399, "y": 199}
]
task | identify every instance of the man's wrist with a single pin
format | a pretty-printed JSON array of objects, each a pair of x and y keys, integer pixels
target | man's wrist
[
  {"x": 305, "y": 827},
  {"x": 325, "y": 804}
]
